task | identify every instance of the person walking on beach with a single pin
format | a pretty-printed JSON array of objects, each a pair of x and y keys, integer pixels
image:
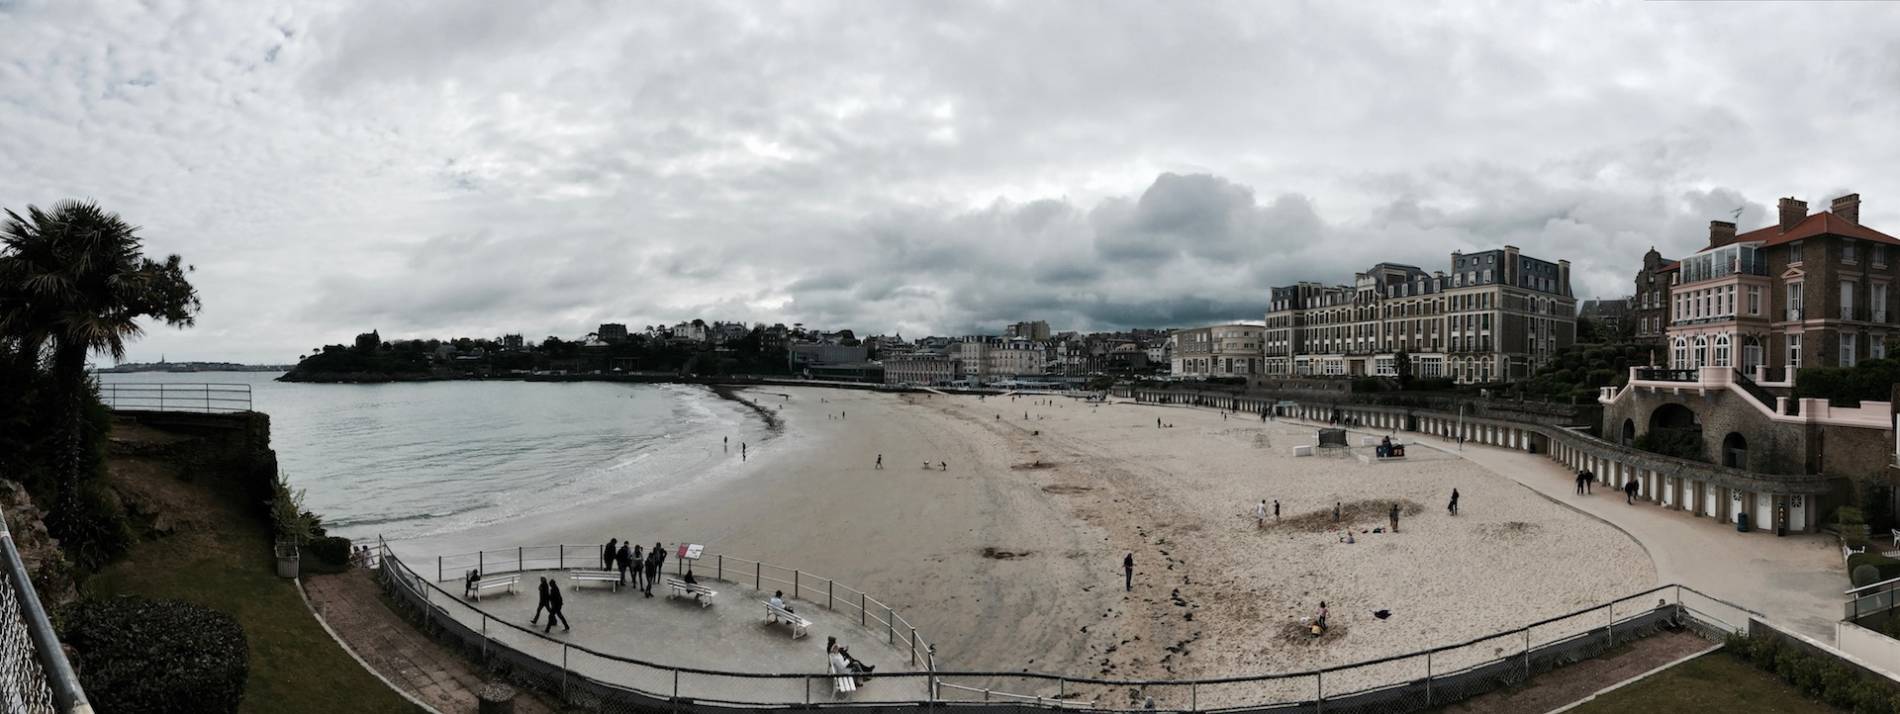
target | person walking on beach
[
  {"x": 1335, "y": 511},
  {"x": 607, "y": 554},
  {"x": 1395, "y": 518},
  {"x": 741, "y": 451},
  {"x": 1128, "y": 573},
  {"x": 540, "y": 602},
  {"x": 1157, "y": 422},
  {"x": 554, "y": 609},
  {"x": 624, "y": 559},
  {"x": 880, "y": 462},
  {"x": 1629, "y": 492},
  {"x": 725, "y": 443},
  {"x": 1579, "y": 480},
  {"x": 655, "y": 559},
  {"x": 1453, "y": 507},
  {"x": 1276, "y": 510},
  {"x": 1260, "y": 514}
]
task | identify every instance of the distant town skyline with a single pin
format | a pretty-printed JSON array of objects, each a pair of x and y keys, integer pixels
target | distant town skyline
[{"x": 440, "y": 169}]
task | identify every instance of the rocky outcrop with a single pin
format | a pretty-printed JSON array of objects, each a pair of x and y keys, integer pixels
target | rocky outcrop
[{"x": 45, "y": 563}]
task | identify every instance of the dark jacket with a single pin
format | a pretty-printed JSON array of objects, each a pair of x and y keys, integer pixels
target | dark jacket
[
  {"x": 655, "y": 560},
  {"x": 624, "y": 557},
  {"x": 543, "y": 588},
  {"x": 554, "y": 598}
]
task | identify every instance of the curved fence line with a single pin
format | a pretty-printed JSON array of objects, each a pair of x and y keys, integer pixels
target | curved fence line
[{"x": 597, "y": 681}]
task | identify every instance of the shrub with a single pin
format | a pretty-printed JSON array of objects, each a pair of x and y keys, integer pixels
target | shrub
[
  {"x": 1885, "y": 568},
  {"x": 1863, "y": 575},
  {"x": 1849, "y": 516},
  {"x": 136, "y": 655},
  {"x": 327, "y": 554}
]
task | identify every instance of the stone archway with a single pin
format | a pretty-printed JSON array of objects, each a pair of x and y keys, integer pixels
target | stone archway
[
  {"x": 1629, "y": 433},
  {"x": 1735, "y": 450},
  {"x": 1674, "y": 430}
]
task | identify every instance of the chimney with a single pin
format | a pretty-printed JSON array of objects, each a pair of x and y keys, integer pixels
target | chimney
[
  {"x": 1792, "y": 211},
  {"x": 1848, "y": 207},
  {"x": 1721, "y": 233},
  {"x": 1563, "y": 277}
]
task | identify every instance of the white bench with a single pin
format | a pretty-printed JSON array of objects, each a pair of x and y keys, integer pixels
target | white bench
[
  {"x": 681, "y": 588},
  {"x": 1848, "y": 551},
  {"x": 499, "y": 582},
  {"x": 845, "y": 684},
  {"x": 774, "y": 613},
  {"x": 1896, "y": 536},
  {"x": 1303, "y": 450},
  {"x": 595, "y": 576}
]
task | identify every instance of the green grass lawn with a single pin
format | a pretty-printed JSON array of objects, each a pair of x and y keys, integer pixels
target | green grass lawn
[
  {"x": 223, "y": 561},
  {"x": 1715, "y": 683}
]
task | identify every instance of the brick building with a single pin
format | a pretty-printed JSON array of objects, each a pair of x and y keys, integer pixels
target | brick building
[
  {"x": 1811, "y": 290},
  {"x": 1649, "y": 309}
]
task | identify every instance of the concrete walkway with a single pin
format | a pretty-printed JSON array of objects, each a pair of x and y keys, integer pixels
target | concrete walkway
[
  {"x": 1794, "y": 581},
  {"x": 352, "y": 605},
  {"x": 732, "y": 635}
]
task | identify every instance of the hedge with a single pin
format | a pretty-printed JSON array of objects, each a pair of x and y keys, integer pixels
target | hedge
[
  {"x": 1885, "y": 568},
  {"x": 1821, "y": 678},
  {"x": 140, "y": 656},
  {"x": 329, "y": 554}
]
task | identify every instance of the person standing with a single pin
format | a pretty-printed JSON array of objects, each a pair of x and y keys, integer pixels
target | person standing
[
  {"x": 725, "y": 443},
  {"x": 1335, "y": 511},
  {"x": 1589, "y": 481},
  {"x": 638, "y": 563},
  {"x": 607, "y": 554},
  {"x": 624, "y": 559},
  {"x": 741, "y": 451},
  {"x": 1629, "y": 492},
  {"x": 1276, "y": 510},
  {"x": 1260, "y": 514},
  {"x": 554, "y": 609},
  {"x": 540, "y": 601},
  {"x": 880, "y": 462},
  {"x": 1395, "y": 518},
  {"x": 1128, "y": 572},
  {"x": 655, "y": 558},
  {"x": 1454, "y": 502},
  {"x": 1579, "y": 480}
]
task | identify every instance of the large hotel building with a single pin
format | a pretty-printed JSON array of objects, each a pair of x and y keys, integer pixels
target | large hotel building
[{"x": 1497, "y": 316}]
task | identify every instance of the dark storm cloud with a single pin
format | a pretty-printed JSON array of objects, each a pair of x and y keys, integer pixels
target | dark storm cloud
[{"x": 444, "y": 168}]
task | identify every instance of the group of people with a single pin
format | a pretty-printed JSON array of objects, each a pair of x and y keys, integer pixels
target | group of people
[
  {"x": 630, "y": 560},
  {"x": 551, "y": 601},
  {"x": 1389, "y": 450},
  {"x": 1260, "y": 513}
]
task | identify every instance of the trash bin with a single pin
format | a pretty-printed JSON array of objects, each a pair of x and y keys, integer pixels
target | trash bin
[{"x": 1741, "y": 522}]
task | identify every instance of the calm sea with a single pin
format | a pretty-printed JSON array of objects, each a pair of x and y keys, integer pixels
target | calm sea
[{"x": 413, "y": 460}]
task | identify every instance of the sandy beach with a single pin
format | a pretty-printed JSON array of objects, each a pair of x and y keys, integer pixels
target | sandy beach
[{"x": 1011, "y": 558}]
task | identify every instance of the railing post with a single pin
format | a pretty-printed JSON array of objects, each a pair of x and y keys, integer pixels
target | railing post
[
  {"x": 890, "y": 626},
  {"x": 484, "y": 637},
  {"x": 481, "y": 565},
  {"x": 807, "y": 690},
  {"x": 562, "y": 558},
  {"x": 719, "y": 570},
  {"x": 1194, "y": 696},
  {"x": 862, "y": 616},
  {"x": 1428, "y": 679},
  {"x": 438, "y": 568},
  {"x": 1527, "y": 654},
  {"x": 828, "y": 584},
  {"x": 1319, "y": 690},
  {"x": 913, "y": 646},
  {"x": 676, "y": 684},
  {"x": 758, "y": 581},
  {"x": 564, "y": 672},
  {"x": 1611, "y": 606},
  {"x": 794, "y": 583}
]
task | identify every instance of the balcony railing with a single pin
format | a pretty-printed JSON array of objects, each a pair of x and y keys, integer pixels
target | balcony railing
[
  {"x": 1794, "y": 314},
  {"x": 1662, "y": 374}
]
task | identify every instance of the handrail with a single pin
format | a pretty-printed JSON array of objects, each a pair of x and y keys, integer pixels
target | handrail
[
  {"x": 55, "y": 673},
  {"x": 199, "y": 397}
]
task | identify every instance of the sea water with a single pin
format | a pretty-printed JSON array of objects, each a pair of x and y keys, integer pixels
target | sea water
[{"x": 419, "y": 459}]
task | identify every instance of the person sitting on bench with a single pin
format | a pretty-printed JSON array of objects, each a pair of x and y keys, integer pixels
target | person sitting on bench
[
  {"x": 853, "y": 664},
  {"x": 468, "y": 583},
  {"x": 689, "y": 579},
  {"x": 778, "y": 600}
]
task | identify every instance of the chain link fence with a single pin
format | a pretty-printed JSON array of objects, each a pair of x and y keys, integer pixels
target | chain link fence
[
  {"x": 35, "y": 677},
  {"x": 588, "y": 680}
]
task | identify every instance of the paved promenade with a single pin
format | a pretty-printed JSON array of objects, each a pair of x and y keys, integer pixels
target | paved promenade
[{"x": 1795, "y": 581}]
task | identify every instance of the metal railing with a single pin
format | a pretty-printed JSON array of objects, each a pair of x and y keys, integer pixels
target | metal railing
[
  {"x": 35, "y": 677},
  {"x": 206, "y": 398},
  {"x": 1660, "y": 374},
  {"x": 590, "y": 680}
]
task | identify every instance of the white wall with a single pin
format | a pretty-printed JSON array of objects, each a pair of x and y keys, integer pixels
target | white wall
[{"x": 1868, "y": 646}]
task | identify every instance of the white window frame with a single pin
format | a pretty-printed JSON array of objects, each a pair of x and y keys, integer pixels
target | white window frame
[
  {"x": 1794, "y": 350},
  {"x": 1848, "y": 352}
]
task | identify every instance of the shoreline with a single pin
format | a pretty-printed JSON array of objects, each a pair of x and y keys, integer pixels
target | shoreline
[{"x": 772, "y": 424}]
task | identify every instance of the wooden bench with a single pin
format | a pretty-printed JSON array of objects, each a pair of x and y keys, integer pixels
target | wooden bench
[
  {"x": 680, "y": 588},
  {"x": 774, "y": 613},
  {"x": 611, "y": 578},
  {"x": 498, "y": 582}
]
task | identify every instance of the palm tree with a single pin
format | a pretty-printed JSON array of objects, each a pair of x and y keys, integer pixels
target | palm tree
[{"x": 76, "y": 282}]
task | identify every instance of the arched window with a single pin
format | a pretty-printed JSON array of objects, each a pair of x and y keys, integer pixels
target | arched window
[
  {"x": 1701, "y": 356},
  {"x": 1721, "y": 351},
  {"x": 1681, "y": 360}
]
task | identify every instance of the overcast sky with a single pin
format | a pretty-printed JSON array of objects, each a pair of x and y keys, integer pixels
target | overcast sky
[{"x": 475, "y": 168}]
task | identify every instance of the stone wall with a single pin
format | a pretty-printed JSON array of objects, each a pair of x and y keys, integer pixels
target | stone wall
[{"x": 1774, "y": 447}]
